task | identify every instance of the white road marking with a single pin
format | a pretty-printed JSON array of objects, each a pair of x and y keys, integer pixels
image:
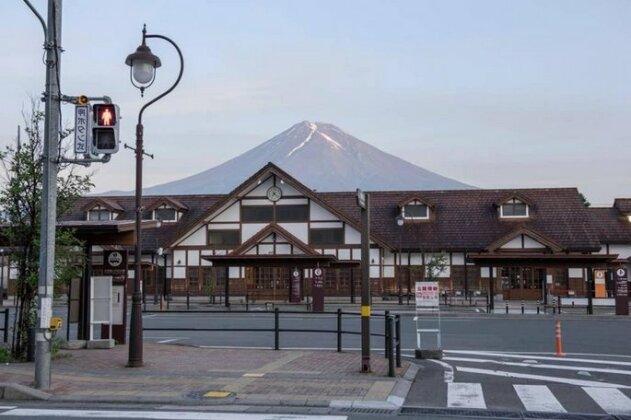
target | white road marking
[
  {"x": 569, "y": 381},
  {"x": 465, "y": 395},
  {"x": 539, "y": 366},
  {"x": 613, "y": 401},
  {"x": 7, "y": 407},
  {"x": 170, "y": 340},
  {"x": 532, "y": 356},
  {"x": 538, "y": 398},
  {"x": 449, "y": 370},
  {"x": 160, "y": 415}
]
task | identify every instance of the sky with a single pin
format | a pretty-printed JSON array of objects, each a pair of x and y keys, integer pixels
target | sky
[{"x": 493, "y": 93}]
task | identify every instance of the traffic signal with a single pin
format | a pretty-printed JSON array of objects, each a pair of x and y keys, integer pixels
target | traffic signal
[{"x": 105, "y": 129}]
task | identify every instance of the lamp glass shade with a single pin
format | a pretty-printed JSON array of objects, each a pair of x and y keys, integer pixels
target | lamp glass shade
[{"x": 142, "y": 71}]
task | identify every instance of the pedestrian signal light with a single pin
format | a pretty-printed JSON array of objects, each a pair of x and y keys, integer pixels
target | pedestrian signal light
[{"x": 105, "y": 128}]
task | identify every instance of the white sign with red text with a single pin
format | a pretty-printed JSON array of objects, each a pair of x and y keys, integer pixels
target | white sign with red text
[{"x": 427, "y": 294}]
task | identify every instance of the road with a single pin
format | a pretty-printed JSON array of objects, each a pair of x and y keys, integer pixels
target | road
[{"x": 606, "y": 335}]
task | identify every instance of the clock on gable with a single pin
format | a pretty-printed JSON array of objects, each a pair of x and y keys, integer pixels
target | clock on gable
[{"x": 274, "y": 193}]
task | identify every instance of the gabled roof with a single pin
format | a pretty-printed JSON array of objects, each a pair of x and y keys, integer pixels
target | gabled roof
[
  {"x": 265, "y": 232},
  {"x": 170, "y": 202},
  {"x": 623, "y": 204},
  {"x": 466, "y": 220},
  {"x": 518, "y": 195},
  {"x": 103, "y": 202},
  {"x": 555, "y": 247},
  {"x": 263, "y": 173},
  {"x": 610, "y": 226},
  {"x": 412, "y": 198}
]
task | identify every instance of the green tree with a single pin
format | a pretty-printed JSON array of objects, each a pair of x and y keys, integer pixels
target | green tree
[
  {"x": 434, "y": 266},
  {"x": 584, "y": 200},
  {"x": 20, "y": 198}
]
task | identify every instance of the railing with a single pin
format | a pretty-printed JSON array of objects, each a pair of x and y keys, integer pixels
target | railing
[
  {"x": 392, "y": 334},
  {"x": 5, "y": 328}
]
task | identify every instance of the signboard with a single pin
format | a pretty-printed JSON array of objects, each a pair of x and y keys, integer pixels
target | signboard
[
  {"x": 361, "y": 199},
  {"x": 295, "y": 295},
  {"x": 600, "y": 289},
  {"x": 81, "y": 129},
  {"x": 45, "y": 311},
  {"x": 622, "y": 291},
  {"x": 317, "y": 290},
  {"x": 427, "y": 294}
]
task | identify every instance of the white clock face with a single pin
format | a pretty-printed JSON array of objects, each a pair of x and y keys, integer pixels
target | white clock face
[{"x": 274, "y": 193}]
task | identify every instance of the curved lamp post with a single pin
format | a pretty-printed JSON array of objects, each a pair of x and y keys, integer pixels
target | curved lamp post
[
  {"x": 143, "y": 64},
  {"x": 400, "y": 222}
]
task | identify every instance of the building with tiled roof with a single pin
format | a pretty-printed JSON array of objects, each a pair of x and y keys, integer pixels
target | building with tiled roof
[{"x": 520, "y": 243}]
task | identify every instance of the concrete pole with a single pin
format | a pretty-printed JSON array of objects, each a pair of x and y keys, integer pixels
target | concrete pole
[
  {"x": 365, "y": 292},
  {"x": 49, "y": 195}
]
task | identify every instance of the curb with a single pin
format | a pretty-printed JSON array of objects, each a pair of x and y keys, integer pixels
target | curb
[{"x": 15, "y": 392}]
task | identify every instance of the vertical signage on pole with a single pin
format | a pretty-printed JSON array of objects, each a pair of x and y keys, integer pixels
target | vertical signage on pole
[
  {"x": 622, "y": 291},
  {"x": 317, "y": 290},
  {"x": 427, "y": 296},
  {"x": 296, "y": 289}
]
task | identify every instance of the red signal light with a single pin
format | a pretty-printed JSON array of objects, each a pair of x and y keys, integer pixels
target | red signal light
[{"x": 105, "y": 115}]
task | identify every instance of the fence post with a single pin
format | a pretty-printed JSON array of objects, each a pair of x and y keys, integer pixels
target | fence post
[
  {"x": 339, "y": 330},
  {"x": 559, "y": 303},
  {"x": 6, "y": 324},
  {"x": 188, "y": 300},
  {"x": 522, "y": 307},
  {"x": 247, "y": 301},
  {"x": 389, "y": 346},
  {"x": 398, "y": 338},
  {"x": 276, "y": 329},
  {"x": 386, "y": 316}
]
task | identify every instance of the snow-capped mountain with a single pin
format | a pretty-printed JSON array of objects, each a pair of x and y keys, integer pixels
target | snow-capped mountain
[{"x": 321, "y": 156}]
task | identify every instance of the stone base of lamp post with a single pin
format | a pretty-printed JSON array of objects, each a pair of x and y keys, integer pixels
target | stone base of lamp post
[{"x": 435, "y": 354}]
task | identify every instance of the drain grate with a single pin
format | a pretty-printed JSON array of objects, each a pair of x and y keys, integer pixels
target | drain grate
[
  {"x": 499, "y": 414},
  {"x": 380, "y": 411}
]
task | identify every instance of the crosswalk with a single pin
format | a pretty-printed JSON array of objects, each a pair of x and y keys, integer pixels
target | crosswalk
[
  {"x": 538, "y": 398},
  {"x": 532, "y": 382}
]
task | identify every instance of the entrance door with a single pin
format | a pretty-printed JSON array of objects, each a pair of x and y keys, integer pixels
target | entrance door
[
  {"x": 522, "y": 283},
  {"x": 270, "y": 283}
]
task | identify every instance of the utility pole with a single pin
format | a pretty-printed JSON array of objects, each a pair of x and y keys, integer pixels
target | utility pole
[
  {"x": 363, "y": 203},
  {"x": 49, "y": 195}
]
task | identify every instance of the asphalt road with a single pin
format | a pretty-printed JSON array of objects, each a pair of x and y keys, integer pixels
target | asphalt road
[{"x": 604, "y": 335}]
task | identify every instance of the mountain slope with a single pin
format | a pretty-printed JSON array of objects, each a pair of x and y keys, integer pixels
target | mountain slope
[{"x": 321, "y": 156}]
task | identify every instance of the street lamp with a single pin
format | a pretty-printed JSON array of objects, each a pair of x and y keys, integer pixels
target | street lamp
[
  {"x": 400, "y": 222},
  {"x": 143, "y": 64}
]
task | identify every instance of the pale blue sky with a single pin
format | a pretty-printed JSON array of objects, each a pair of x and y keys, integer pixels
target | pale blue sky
[{"x": 499, "y": 94}]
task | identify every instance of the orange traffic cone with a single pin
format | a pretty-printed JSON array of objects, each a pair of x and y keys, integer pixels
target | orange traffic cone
[{"x": 559, "y": 345}]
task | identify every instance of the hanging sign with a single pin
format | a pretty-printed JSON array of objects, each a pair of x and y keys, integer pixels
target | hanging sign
[
  {"x": 81, "y": 129},
  {"x": 427, "y": 294}
]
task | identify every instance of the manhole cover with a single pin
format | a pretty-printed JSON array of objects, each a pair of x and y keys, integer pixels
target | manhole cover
[{"x": 212, "y": 394}]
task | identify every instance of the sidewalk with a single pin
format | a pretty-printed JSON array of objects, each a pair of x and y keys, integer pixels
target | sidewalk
[{"x": 175, "y": 374}]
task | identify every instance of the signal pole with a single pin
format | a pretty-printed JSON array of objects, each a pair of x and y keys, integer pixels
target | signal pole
[{"x": 49, "y": 195}]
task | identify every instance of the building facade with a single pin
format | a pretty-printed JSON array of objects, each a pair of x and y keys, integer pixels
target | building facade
[{"x": 529, "y": 244}]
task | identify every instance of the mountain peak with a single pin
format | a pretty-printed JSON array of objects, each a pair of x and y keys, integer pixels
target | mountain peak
[{"x": 320, "y": 155}]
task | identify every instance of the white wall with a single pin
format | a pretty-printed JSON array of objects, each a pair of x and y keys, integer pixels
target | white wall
[
  {"x": 319, "y": 213},
  {"x": 231, "y": 214},
  {"x": 197, "y": 238}
]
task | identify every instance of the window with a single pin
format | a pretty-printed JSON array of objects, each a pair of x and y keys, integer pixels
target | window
[
  {"x": 295, "y": 213},
  {"x": 514, "y": 208},
  {"x": 415, "y": 211},
  {"x": 99, "y": 214},
  {"x": 224, "y": 238},
  {"x": 257, "y": 214},
  {"x": 165, "y": 214},
  {"x": 147, "y": 215},
  {"x": 330, "y": 236}
]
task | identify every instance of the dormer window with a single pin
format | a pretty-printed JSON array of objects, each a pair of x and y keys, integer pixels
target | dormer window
[
  {"x": 514, "y": 208},
  {"x": 415, "y": 210},
  {"x": 165, "y": 214},
  {"x": 99, "y": 213}
]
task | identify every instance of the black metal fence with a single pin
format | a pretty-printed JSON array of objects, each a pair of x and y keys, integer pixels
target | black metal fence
[{"x": 391, "y": 334}]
